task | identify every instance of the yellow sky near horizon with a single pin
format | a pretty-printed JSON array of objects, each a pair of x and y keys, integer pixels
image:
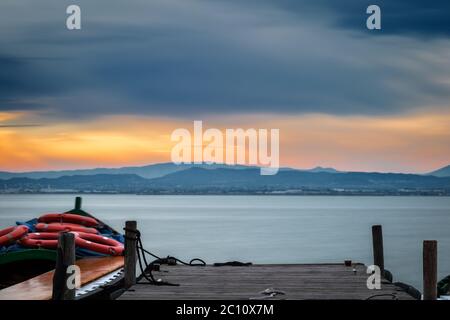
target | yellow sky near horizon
[{"x": 404, "y": 143}]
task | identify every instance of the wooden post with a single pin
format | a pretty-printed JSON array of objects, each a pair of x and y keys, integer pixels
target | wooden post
[
  {"x": 130, "y": 254},
  {"x": 78, "y": 203},
  {"x": 65, "y": 257},
  {"x": 378, "y": 253},
  {"x": 429, "y": 270}
]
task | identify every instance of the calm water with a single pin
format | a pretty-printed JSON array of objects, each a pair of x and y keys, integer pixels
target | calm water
[{"x": 267, "y": 229}]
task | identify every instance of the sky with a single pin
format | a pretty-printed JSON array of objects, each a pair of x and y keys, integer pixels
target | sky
[{"x": 111, "y": 93}]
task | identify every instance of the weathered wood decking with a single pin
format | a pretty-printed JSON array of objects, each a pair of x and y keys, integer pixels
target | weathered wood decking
[{"x": 296, "y": 281}]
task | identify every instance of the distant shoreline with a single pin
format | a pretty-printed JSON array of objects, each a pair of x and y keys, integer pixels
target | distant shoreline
[
  {"x": 169, "y": 179},
  {"x": 238, "y": 194}
]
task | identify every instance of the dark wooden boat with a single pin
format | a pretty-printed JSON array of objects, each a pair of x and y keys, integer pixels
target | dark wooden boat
[{"x": 27, "y": 274}]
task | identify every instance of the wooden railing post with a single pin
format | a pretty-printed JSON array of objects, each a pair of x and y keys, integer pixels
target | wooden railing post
[
  {"x": 65, "y": 257},
  {"x": 130, "y": 254},
  {"x": 430, "y": 270},
  {"x": 378, "y": 253},
  {"x": 78, "y": 203}
]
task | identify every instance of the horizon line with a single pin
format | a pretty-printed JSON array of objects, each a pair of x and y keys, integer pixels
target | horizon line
[{"x": 204, "y": 163}]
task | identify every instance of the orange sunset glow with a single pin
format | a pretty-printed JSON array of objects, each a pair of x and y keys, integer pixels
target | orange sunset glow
[{"x": 408, "y": 143}]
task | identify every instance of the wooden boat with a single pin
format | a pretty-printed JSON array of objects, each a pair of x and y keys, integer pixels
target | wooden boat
[{"x": 27, "y": 274}]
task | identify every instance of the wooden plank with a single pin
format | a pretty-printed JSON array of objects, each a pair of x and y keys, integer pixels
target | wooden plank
[
  {"x": 65, "y": 257},
  {"x": 40, "y": 287},
  {"x": 130, "y": 253},
  {"x": 378, "y": 253},
  {"x": 430, "y": 270},
  {"x": 321, "y": 281}
]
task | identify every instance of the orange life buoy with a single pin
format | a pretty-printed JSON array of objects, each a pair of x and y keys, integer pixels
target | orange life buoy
[
  {"x": 98, "y": 243},
  {"x": 63, "y": 227},
  {"x": 12, "y": 234},
  {"x": 69, "y": 218},
  {"x": 47, "y": 240}
]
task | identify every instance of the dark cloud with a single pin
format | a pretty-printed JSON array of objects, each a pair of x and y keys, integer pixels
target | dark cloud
[
  {"x": 416, "y": 18},
  {"x": 196, "y": 57},
  {"x": 22, "y": 79}
]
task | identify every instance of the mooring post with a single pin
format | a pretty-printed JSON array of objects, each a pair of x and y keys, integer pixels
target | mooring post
[
  {"x": 130, "y": 254},
  {"x": 78, "y": 203},
  {"x": 378, "y": 253},
  {"x": 65, "y": 257},
  {"x": 429, "y": 270}
]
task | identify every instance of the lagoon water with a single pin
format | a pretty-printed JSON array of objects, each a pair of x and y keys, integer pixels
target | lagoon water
[{"x": 267, "y": 229}]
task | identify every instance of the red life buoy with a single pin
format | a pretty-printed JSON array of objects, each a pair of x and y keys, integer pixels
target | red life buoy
[
  {"x": 12, "y": 234},
  {"x": 47, "y": 240},
  {"x": 63, "y": 227},
  {"x": 69, "y": 218},
  {"x": 98, "y": 243}
]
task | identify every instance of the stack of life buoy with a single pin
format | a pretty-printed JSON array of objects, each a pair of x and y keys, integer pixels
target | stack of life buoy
[
  {"x": 50, "y": 225},
  {"x": 12, "y": 234}
]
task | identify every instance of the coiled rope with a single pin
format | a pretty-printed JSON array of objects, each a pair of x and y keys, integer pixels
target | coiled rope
[
  {"x": 146, "y": 268},
  {"x": 392, "y": 295}
]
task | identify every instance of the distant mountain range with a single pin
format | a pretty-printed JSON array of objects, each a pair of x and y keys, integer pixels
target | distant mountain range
[
  {"x": 168, "y": 178},
  {"x": 287, "y": 180},
  {"x": 149, "y": 171},
  {"x": 443, "y": 172},
  {"x": 322, "y": 169}
]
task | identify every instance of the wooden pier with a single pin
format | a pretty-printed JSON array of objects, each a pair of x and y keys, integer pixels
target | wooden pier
[
  {"x": 289, "y": 281},
  {"x": 346, "y": 280}
]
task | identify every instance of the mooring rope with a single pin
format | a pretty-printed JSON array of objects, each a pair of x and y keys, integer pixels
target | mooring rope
[
  {"x": 146, "y": 271},
  {"x": 393, "y": 295}
]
